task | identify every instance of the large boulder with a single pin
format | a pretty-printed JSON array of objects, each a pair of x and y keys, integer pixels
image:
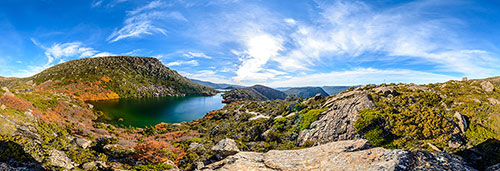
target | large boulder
[
  {"x": 337, "y": 123},
  {"x": 487, "y": 86},
  {"x": 59, "y": 159},
  {"x": 462, "y": 123},
  {"x": 225, "y": 147},
  {"x": 341, "y": 155}
]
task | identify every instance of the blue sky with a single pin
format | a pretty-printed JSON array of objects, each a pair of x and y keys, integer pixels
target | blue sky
[{"x": 271, "y": 42}]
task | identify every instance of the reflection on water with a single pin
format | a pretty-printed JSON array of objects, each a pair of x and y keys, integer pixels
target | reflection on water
[{"x": 142, "y": 112}]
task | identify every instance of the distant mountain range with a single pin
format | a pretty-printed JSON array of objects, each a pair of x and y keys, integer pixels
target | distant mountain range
[
  {"x": 216, "y": 85},
  {"x": 256, "y": 92},
  {"x": 306, "y": 92},
  {"x": 330, "y": 90}
]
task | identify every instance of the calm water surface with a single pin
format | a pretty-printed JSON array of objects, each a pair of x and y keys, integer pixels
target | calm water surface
[{"x": 142, "y": 112}]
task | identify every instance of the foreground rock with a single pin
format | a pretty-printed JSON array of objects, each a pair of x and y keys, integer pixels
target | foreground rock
[
  {"x": 225, "y": 147},
  {"x": 341, "y": 155}
]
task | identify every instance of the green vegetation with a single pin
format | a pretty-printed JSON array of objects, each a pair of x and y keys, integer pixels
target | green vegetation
[
  {"x": 126, "y": 76},
  {"x": 153, "y": 167}
]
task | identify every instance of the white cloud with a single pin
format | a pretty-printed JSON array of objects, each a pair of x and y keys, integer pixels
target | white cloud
[
  {"x": 197, "y": 55},
  {"x": 103, "y": 54},
  {"x": 151, "y": 5},
  {"x": 61, "y": 52},
  {"x": 260, "y": 49},
  {"x": 146, "y": 20},
  {"x": 72, "y": 49},
  {"x": 96, "y": 3},
  {"x": 178, "y": 63},
  {"x": 361, "y": 76},
  {"x": 206, "y": 75},
  {"x": 349, "y": 30}
]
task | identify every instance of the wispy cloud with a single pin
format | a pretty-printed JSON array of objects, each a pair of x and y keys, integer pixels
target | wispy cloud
[
  {"x": 361, "y": 76},
  {"x": 96, "y": 3},
  {"x": 180, "y": 62},
  {"x": 196, "y": 55},
  {"x": 345, "y": 32},
  {"x": 60, "y": 52},
  {"x": 146, "y": 20}
]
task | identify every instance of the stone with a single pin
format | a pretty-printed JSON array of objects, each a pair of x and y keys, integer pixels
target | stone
[
  {"x": 225, "y": 147},
  {"x": 196, "y": 147},
  {"x": 337, "y": 123},
  {"x": 82, "y": 142},
  {"x": 258, "y": 117},
  {"x": 94, "y": 165},
  {"x": 462, "y": 123},
  {"x": 433, "y": 147},
  {"x": 495, "y": 167},
  {"x": 487, "y": 86},
  {"x": 494, "y": 101},
  {"x": 464, "y": 79},
  {"x": 59, "y": 159},
  {"x": 341, "y": 155},
  {"x": 318, "y": 96}
]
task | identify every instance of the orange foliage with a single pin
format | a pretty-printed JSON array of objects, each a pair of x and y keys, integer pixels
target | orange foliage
[
  {"x": 106, "y": 79},
  {"x": 15, "y": 102},
  {"x": 158, "y": 151}
]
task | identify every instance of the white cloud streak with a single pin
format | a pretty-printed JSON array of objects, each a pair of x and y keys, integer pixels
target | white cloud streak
[
  {"x": 361, "y": 76},
  {"x": 180, "y": 62},
  {"x": 146, "y": 20}
]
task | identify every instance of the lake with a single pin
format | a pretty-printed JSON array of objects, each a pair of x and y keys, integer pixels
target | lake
[{"x": 140, "y": 112}]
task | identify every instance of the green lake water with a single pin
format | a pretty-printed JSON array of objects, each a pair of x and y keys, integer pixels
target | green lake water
[{"x": 140, "y": 112}]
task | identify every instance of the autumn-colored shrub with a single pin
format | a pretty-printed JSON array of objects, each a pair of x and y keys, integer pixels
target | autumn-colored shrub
[{"x": 156, "y": 151}]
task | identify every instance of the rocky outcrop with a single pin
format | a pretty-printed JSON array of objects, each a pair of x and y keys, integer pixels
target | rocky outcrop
[
  {"x": 337, "y": 122},
  {"x": 225, "y": 147},
  {"x": 487, "y": 86},
  {"x": 341, "y": 155}
]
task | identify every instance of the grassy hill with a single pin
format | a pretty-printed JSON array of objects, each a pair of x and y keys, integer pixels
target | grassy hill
[
  {"x": 306, "y": 92},
  {"x": 256, "y": 92},
  {"x": 120, "y": 76}
]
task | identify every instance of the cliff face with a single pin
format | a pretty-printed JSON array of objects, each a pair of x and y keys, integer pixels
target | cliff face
[{"x": 113, "y": 77}]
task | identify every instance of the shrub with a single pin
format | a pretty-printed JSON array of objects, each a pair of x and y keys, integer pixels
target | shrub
[{"x": 309, "y": 117}]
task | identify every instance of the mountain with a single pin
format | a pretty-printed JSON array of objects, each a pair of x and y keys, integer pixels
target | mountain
[
  {"x": 332, "y": 90},
  {"x": 283, "y": 88},
  {"x": 216, "y": 85},
  {"x": 117, "y": 77},
  {"x": 256, "y": 92},
  {"x": 306, "y": 92}
]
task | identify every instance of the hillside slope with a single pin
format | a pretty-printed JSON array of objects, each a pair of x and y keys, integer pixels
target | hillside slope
[
  {"x": 332, "y": 90},
  {"x": 113, "y": 77},
  {"x": 306, "y": 92},
  {"x": 256, "y": 92}
]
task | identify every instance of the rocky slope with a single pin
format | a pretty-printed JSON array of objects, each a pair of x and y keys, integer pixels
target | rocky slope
[
  {"x": 256, "y": 92},
  {"x": 114, "y": 77},
  {"x": 306, "y": 92},
  {"x": 342, "y": 155}
]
